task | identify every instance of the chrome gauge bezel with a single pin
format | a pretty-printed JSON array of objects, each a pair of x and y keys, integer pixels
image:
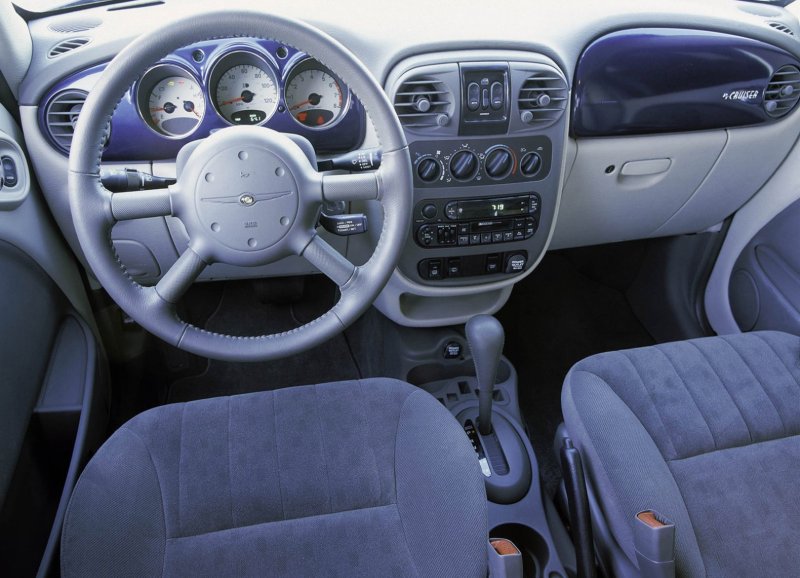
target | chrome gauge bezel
[
  {"x": 147, "y": 83},
  {"x": 229, "y": 58},
  {"x": 309, "y": 63}
]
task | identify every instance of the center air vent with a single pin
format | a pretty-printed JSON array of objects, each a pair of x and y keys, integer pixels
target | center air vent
[
  {"x": 61, "y": 116},
  {"x": 782, "y": 92},
  {"x": 66, "y": 46},
  {"x": 543, "y": 98},
  {"x": 424, "y": 102}
]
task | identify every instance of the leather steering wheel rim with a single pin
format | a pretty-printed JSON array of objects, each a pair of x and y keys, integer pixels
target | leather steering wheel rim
[{"x": 95, "y": 210}]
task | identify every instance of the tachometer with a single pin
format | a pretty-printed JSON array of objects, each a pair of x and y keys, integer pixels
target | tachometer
[
  {"x": 171, "y": 101},
  {"x": 246, "y": 94},
  {"x": 314, "y": 96}
]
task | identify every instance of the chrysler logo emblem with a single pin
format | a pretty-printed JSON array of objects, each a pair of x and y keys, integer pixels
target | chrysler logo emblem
[{"x": 247, "y": 199}]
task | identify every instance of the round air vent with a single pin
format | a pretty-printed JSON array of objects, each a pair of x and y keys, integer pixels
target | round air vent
[
  {"x": 782, "y": 92},
  {"x": 423, "y": 102},
  {"x": 66, "y": 46},
  {"x": 61, "y": 116},
  {"x": 542, "y": 98},
  {"x": 73, "y": 26}
]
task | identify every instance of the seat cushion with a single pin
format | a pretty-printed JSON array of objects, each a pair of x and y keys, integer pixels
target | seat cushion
[
  {"x": 358, "y": 478},
  {"x": 706, "y": 433}
]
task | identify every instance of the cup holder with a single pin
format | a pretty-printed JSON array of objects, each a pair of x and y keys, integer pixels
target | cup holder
[{"x": 535, "y": 553}]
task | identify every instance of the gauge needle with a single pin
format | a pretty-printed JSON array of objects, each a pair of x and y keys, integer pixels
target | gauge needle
[
  {"x": 313, "y": 100},
  {"x": 168, "y": 107},
  {"x": 247, "y": 96},
  {"x": 188, "y": 106}
]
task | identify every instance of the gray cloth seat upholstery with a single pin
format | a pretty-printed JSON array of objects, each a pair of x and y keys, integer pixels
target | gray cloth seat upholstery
[
  {"x": 359, "y": 478},
  {"x": 706, "y": 433}
]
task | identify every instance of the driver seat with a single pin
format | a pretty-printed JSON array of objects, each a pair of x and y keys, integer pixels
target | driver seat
[{"x": 358, "y": 478}]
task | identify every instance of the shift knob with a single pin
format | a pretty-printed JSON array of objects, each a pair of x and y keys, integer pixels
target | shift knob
[{"x": 485, "y": 338}]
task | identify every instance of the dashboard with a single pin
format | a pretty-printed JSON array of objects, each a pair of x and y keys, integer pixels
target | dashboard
[
  {"x": 207, "y": 86},
  {"x": 529, "y": 129}
]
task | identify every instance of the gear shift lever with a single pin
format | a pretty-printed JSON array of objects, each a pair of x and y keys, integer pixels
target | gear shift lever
[{"x": 485, "y": 337}]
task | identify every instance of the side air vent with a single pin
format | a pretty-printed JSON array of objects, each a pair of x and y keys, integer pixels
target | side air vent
[
  {"x": 781, "y": 27},
  {"x": 782, "y": 92},
  {"x": 542, "y": 98},
  {"x": 61, "y": 116},
  {"x": 424, "y": 102},
  {"x": 73, "y": 26},
  {"x": 65, "y": 46}
]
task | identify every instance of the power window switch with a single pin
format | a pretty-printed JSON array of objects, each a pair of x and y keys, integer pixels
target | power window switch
[
  {"x": 9, "y": 176},
  {"x": 454, "y": 267}
]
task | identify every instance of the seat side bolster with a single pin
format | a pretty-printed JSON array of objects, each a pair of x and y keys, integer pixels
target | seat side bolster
[
  {"x": 627, "y": 472},
  {"x": 115, "y": 521}
]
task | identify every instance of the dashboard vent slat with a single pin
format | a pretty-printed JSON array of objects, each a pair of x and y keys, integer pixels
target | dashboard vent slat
[
  {"x": 424, "y": 102},
  {"x": 66, "y": 46},
  {"x": 542, "y": 98},
  {"x": 61, "y": 116},
  {"x": 782, "y": 92},
  {"x": 781, "y": 27}
]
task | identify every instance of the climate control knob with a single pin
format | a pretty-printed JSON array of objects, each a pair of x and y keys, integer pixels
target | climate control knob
[
  {"x": 498, "y": 163},
  {"x": 530, "y": 164},
  {"x": 464, "y": 165},
  {"x": 428, "y": 169}
]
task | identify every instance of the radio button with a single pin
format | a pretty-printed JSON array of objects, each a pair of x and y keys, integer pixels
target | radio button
[
  {"x": 463, "y": 239},
  {"x": 519, "y": 234},
  {"x": 486, "y": 238},
  {"x": 451, "y": 210},
  {"x": 429, "y": 211},
  {"x": 475, "y": 239},
  {"x": 508, "y": 236},
  {"x": 497, "y": 237}
]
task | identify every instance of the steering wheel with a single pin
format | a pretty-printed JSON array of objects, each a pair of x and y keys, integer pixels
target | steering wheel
[{"x": 231, "y": 218}]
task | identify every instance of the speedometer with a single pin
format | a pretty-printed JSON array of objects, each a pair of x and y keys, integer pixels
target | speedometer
[
  {"x": 314, "y": 96},
  {"x": 246, "y": 94}
]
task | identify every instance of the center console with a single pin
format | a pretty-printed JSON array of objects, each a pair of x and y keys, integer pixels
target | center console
[{"x": 486, "y": 134}]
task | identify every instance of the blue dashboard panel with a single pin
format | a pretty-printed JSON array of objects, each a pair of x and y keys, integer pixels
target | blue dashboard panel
[
  {"x": 644, "y": 81},
  {"x": 132, "y": 139}
]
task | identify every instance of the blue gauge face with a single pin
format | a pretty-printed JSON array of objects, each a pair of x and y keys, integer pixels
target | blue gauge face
[
  {"x": 176, "y": 106},
  {"x": 246, "y": 94}
]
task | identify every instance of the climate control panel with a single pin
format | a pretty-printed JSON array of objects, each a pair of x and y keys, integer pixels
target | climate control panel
[{"x": 468, "y": 162}]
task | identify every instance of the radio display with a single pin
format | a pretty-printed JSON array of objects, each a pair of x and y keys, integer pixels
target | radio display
[{"x": 497, "y": 207}]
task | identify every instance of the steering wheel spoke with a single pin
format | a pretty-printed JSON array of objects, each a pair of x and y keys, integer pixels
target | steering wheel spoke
[
  {"x": 329, "y": 261},
  {"x": 141, "y": 204},
  {"x": 177, "y": 280},
  {"x": 352, "y": 187}
]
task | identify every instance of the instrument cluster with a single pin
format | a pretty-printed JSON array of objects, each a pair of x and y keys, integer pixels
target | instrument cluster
[{"x": 218, "y": 83}]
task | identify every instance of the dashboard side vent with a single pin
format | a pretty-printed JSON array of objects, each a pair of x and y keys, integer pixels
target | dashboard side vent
[
  {"x": 782, "y": 92},
  {"x": 424, "y": 101},
  {"x": 542, "y": 98},
  {"x": 66, "y": 46},
  {"x": 781, "y": 27},
  {"x": 76, "y": 25},
  {"x": 61, "y": 116}
]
